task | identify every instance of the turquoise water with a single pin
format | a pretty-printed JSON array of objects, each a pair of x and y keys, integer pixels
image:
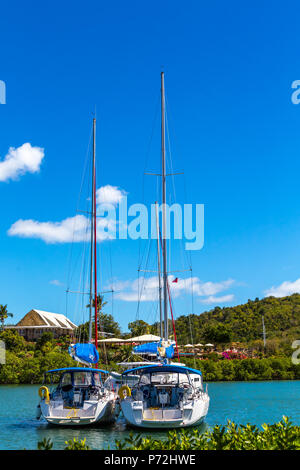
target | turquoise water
[{"x": 242, "y": 402}]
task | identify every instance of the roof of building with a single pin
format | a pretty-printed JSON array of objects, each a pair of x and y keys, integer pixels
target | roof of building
[
  {"x": 57, "y": 318},
  {"x": 50, "y": 319}
]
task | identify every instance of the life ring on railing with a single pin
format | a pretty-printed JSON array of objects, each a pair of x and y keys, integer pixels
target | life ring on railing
[
  {"x": 44, "y": 393},
  {"x": 124, "y": 392}
]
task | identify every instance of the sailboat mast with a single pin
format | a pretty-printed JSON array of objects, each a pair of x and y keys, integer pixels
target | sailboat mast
[
  {"x": 159, "y": 271},
  {"x": 264, "y": 330},
  {"x": 91, "y": 281},
  {"x": 164, "y": 244},
  {"x": 94, "y": 215},
  {"x": 92, "y": 259}
]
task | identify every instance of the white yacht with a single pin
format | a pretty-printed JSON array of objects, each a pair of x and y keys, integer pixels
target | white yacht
[
  {"x": 77, "y": 396},
  {"x": 165, "y": 396}
]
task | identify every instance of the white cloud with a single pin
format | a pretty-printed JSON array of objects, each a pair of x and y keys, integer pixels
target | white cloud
[
  {"x": 71, "y": 229},
  {"x": 146, "y": 289},
  {"x": 207, "y": 288},
  {"x": 284, "y": 289},
  {"x": 109, "y": 195},
  {"x": 55, "y": 282},
  {"x": 218, "y": 300},
  {"x": 24, "y": 159},
  {"x": 141, "y": 289}
]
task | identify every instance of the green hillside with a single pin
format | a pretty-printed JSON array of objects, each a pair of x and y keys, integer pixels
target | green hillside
[{"x": 243, "y": 323}]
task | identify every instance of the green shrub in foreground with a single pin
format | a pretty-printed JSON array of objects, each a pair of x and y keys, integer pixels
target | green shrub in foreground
[{"x": 279, "y": 436}]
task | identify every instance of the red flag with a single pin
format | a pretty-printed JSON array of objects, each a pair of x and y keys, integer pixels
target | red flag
[{"x": 175, "y": 280}]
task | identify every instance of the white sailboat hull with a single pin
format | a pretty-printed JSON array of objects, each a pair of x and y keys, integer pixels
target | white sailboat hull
[
  {"x": 190, "y": 414},
  {"x": 102, "y": 411}
]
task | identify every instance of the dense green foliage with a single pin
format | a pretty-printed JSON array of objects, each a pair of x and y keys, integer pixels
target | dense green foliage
[
  {"x": 75, "y": 444},
  {"x": 71, "y": 444},
  {"x": 139, "y": 327},
  {"x": 279, "y": 436},
  {"x": 271, "y": 368},
  {"x": 243, "y": 322},
  {"x": 27, "y": 362},
  {"x": 106, "y": 324}
]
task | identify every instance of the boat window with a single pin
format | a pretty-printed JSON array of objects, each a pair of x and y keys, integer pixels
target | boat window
[
  {"x": 145, "y": 379},
  {"x": 97, "y": 379},
  {"x": 82, "y": 378},
  {"x": 54, "y": 378},
  {"x": 66, "y": 379},
  {"x": 183, "y": 379},
  {"x": 159, "y": 378},
  {"x": 168, "y": 378}
]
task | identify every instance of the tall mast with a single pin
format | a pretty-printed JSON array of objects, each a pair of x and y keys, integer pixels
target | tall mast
[
  {"x": 91, "y": 272},
  {"x": 164, "y": 244},
  {"x": 159, "y": 270},
  {"x": 92, "y": 252},
  {"x": 94, "y": 216}
]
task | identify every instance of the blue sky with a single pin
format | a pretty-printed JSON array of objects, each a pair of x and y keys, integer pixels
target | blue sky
[{"x": 234, "y": 130}]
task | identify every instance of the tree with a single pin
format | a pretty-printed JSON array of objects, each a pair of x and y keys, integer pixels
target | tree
[
  {"x": 4, "y": 314},
  {"x": 106, "y": 322},
  {"x": 100, "y": 303},
  {"x": 13, "y": 341},
  {"x": 82, "y": 332},
  {"x": 139, "y": 327},
  {"x": 218, "y": 333},
  {"x": 46, "y": 337}
]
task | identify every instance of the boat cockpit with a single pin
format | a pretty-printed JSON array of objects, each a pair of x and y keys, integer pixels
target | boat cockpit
[
  {"x": 75, "y": 386},
  {"x": 160, "y": 389}
]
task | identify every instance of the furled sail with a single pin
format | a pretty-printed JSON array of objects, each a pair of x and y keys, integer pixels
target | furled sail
[
  {"x": 160, "y": 349},
  {"x": 147, "y": 348},
  {"x": 86, "y": 353}
]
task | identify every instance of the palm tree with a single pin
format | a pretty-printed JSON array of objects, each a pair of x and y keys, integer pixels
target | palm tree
[
  {"x": 100, "y": 303},
  {"x": 4, "y": 314}
]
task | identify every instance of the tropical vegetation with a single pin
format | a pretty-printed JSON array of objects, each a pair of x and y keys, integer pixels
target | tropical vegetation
[
  {"x": 279, "y": 436},
  {"x": 26, "y": 362},
  {"x": 243, "y": 323},
  {"x": 4, "y": 314}
]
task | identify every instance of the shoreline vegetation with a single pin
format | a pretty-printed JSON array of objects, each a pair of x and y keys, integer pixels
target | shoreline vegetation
[
  {"x": 279, "y": 436},
  {"x": 27, "y": 362},
  {"x": 240, "y": 326}
]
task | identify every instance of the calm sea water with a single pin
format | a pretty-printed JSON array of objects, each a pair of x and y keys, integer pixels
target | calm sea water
[{"x": 242, "y": 402}]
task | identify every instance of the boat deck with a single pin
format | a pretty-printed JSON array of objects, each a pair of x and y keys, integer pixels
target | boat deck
[{"x": 162, "y": 414}]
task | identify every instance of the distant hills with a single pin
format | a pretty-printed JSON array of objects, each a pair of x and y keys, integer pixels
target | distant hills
[{"x": 243, "y": 323}]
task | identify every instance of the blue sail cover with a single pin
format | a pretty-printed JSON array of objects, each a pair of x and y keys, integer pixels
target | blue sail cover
[
  {"x": 170, "y": 352},
  {"x": 152, "y": 348},
  {"x": 84, "y": 352},
  {"x": 146, "y": 348}
]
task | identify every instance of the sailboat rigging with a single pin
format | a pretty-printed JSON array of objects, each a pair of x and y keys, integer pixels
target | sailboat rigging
[
  {"x": 78, "y": 395},
  {"x": 163, "y": 395}
]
